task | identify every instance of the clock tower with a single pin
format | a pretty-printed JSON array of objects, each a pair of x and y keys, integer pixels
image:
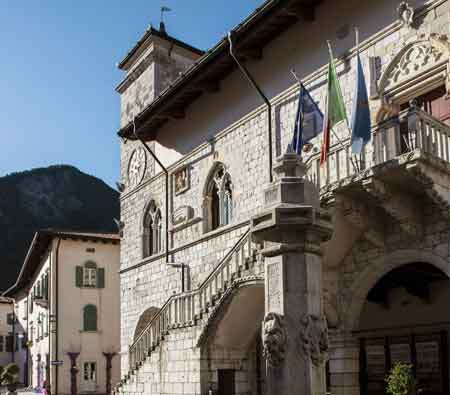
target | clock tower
[{"x": 150, "y": 66}]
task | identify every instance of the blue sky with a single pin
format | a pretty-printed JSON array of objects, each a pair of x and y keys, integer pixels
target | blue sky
[{"x": 58, "y": 73}]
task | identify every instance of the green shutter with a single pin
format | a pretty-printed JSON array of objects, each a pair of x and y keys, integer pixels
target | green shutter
[
  {"x": 9, "y": 343},
  {"x": 101, "y": 278},
  {"x": 79, "y": 276},
  {"x": 90, "y": 318}
]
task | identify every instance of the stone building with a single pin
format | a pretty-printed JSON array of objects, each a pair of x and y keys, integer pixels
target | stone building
[
  {"x": 68, "y": 304},
  {"x": 246, "y": 269}
]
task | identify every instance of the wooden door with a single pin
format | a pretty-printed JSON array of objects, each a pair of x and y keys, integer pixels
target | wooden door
[{"x": 226, "y": 382}]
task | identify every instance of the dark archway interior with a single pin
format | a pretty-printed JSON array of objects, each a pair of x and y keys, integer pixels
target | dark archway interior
[
  {"x": 415, "y": 278},
  {"x": 405, "y": 319},
  {"x": 144, "y": 320}
]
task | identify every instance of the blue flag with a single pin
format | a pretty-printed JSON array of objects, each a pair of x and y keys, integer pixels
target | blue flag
[
  {"x": 308, "y": 122},
  {"x": 360, "y": 125}
]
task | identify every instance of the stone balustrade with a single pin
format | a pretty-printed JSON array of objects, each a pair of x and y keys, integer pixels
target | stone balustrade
[
  {"x": 411, "y": 129},
  {"x": 184, "y": 309}
]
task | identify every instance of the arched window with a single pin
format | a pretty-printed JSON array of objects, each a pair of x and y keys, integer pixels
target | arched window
[
  {"x": 151, "y": 243},
  {"x": 218, "y": 203},
  {"x": 90, "y": 318}
]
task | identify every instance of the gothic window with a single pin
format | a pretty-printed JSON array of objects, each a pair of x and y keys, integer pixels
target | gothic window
[
  {"x": 218, "y": 204},
  {"x": 152, "y": 243},
  {"x": 90, "y": 318}
]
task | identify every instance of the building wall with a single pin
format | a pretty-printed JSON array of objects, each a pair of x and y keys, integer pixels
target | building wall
[
  {"x": 38, "y": 326},
  {"x": 72, "y": 337},
  {"x": 231, "y": 127},
  {"x": 13, "y": 352}
]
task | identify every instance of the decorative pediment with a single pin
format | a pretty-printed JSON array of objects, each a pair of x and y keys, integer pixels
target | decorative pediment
[{"x": 413, "y": 61}]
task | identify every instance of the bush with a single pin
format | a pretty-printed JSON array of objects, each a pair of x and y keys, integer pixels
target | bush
[
  {"x": 10, "y": 374},
  {"x": 400, "y": 381}
]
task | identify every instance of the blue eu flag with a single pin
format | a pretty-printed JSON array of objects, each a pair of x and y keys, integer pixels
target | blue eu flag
[
  {"x": 308, "y": 122},
  {"x": 360, "y": 125}
]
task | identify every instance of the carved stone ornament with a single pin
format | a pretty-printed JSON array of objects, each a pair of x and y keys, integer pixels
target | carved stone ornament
[
  {"x": 405, "y": 14},
  {"x": 182, "y": 215},
  {"x": 314, "y": 338},
  {"x": 274, "y": 339},
  {"x": 182, "y": 182},
  {"x": 136, "y": 167}
]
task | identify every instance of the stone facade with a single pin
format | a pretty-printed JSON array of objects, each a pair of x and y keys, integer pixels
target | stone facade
[{"x": 377, "y": 225}]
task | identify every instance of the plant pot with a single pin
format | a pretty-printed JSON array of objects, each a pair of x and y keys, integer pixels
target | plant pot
[{"x": 11, "y": 389}]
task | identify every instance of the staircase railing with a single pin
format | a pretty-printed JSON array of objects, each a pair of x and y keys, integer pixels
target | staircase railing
[{"x": 185, "y": 308}]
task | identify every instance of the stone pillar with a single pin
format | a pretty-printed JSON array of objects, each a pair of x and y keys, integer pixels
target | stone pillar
[
  {"x": 109, "y": 356},
  {"x": 344, "y": 364},
  {"x": 73, "y": 372},
  {"x": 292, "y": 227}
]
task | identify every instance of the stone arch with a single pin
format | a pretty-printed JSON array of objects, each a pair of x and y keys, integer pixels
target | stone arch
[
  {"x": 144, "y": 319},
  {"x": 418, "y": 67},
  {"x": 224, "y": 305},
  {"x": 375, "y": 270}
]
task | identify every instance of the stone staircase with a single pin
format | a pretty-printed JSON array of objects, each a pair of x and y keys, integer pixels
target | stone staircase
[{"x": 192, "y": 308}]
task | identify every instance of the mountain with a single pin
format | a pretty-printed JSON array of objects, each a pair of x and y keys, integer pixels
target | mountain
[{"x": 59, "y": 197}]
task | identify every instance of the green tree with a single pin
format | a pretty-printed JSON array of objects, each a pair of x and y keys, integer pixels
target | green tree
[{"x": 400, "y": 380}]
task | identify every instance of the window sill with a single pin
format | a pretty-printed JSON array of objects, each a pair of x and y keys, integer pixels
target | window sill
[{"x": 83, "y": 331}]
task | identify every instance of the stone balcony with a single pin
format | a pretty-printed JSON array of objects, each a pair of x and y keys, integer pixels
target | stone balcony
[{"x": 402, "y": 182}]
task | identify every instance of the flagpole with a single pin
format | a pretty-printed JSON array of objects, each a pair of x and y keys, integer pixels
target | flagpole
[
  {"x": 357, "y": 54},
  {"x": 346, "y": 119},
  {"x": 301, "y": 107}
]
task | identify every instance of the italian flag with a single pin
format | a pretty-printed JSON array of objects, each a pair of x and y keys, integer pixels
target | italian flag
[{"x": 335, "y": 110}]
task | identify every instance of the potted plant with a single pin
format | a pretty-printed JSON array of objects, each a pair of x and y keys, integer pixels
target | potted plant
[
  {"x": 400, "y": 381},
  {"x": 10, "y": 377}
]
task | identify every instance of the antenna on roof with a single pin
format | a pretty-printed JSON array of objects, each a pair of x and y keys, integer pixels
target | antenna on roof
[{"x": 162, "y": 27}]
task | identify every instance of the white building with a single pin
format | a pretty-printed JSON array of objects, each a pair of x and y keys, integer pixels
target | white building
[
  {"x": 346, "y": 267},
  {"x": 67, "y": 296},
  {"x": 12, "y": 337}
]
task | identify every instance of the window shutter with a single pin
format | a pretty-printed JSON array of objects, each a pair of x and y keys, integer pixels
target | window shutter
[
  {"x": 45, "y": 283},
  {"x": 101, "y": 278},
  {"x": 9, "y": 343},
  {"x": 79, "y": 276},
  {"x": 90, "y": 318}
]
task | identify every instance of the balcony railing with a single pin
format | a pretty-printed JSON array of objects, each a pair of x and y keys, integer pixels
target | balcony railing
[
  {"x": 184, "y": 309},
  {"x": 411, "y": 129}
]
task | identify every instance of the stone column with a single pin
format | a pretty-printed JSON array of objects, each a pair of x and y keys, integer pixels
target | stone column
[
  {"x": 344, "y": 364},
  {"x": 292, "y": 227},
  {"x": 109, "y": 356},
  {"x": 73, "y": 372}
]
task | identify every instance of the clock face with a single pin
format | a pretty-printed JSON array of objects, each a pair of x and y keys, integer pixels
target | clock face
[{"x": 136, "y": 167}]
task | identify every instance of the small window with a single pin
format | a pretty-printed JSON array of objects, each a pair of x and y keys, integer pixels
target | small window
[
  {"x": 2, "y": 343},
  {"x": 89, "y": 276},
  {"x": 90, "y": 371},
  {"x": 90, "y": 318}
]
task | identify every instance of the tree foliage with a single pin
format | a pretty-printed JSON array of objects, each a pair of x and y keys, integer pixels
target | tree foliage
[{"x": 400, "y": 381}]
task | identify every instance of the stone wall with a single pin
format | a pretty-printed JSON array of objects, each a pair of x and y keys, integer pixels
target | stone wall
[{"x": 235, "y": 133}]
